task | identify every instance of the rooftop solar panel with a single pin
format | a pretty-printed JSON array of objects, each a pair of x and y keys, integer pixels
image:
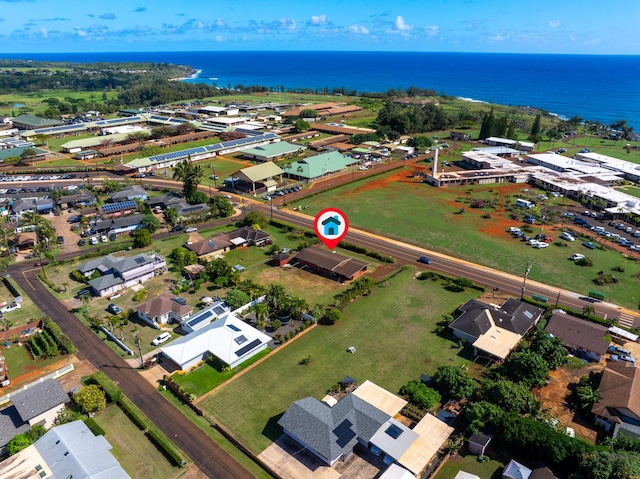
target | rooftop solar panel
[
  {"x": 233, "y": 327},
  {"x": 245, "y": 349},
  {"x": 199, "y": 318},
  {"x": 218, "y": 310}
]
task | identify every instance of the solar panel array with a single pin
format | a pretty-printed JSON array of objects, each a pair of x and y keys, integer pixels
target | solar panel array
[
  {"x": 14, "y": 143},
  {"x": 61, "y": 129},
  {"x": 200, "y": 318},
  {"x": 119, "y": 121},
  {"x": 113, "y": 207},
  {"x": 245, "y": 349},
  {"x": 233, "y": 327}
]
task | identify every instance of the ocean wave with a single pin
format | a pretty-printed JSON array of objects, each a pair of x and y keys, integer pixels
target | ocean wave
[{"x": 470, "y": 100}]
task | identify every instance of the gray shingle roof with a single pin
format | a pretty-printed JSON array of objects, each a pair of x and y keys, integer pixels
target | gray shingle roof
[
  {"x": 524, "y": 315},
  {"x": 332, "y": 431},
  {"x": 128, "y": 192},
  {"x": 515, "y": 316},
  {"x": 11, "y": 424},
  {"x": 105, "y": 282},
  {"x": 121, "y": 222},
  {"x": 71, "y": 450},
  {"x": 39, "y": 398}
]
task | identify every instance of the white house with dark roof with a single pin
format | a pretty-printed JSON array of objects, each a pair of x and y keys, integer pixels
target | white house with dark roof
[
  {"x": 38, "y": 403},
  {"x": 494, "y": 331},
  {"x": 163, "y": 309},
  {"x": 229, "y": 339},
  {"x": 366, "y": 416},
  {"x": 117, "y": 273},
  {"x": 70, "y": 450}
]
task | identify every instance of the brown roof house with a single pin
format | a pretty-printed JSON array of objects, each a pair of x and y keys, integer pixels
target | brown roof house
[
  {"x": 494, "y": 331},
  {"x": 223, "y": 242},
  {"x": 163, "y": 309},
  {"x": 332, "y": 265},
  {"x": 619, "y": 404},
  {"x": 584, "y": 338}
]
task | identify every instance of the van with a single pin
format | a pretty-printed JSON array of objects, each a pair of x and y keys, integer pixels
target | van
[
  {"x": 598, "y": 229},
  {"x": 513, "y": 229},
  {"x": 164, "y": 337},
  {"x": 93, "y": 240}
]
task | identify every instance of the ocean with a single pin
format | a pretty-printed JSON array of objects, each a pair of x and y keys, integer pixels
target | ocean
[{"x": 601, "y": 88}]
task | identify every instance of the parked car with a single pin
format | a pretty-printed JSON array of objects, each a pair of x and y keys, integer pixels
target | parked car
[
  {"x": 626, "y": 357},
  {"x": 567, "y": 236},
  {"x": 60, "y": 239},
  {"x": 424, "y": 259},
  {"x": 576, "y": 257},
  {"x": 618, "y": 349},
  {"x": 541, "y": 245},
  {"x": 177, "y": 228},
  {"x": 82, "y": 242},
  {"x": 113, "y": 309},
  {"x": 589, "y": 245},
  {"x": 191, "y": 229},
  {"x": 162, "y": 338}
]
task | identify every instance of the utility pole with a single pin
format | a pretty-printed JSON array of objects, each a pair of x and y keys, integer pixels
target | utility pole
[
  {"x": 524, "y": 281},
  {"x": 139, "y": 349}
]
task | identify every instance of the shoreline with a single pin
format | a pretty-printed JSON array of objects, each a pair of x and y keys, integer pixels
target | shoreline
[{"x": 196, "y": 74}]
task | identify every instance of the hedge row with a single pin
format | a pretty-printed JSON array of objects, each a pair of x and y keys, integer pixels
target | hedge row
[
  {"x": 114, "y": 393},
  {"x": 166, "y": 445},
  {"x": 367, "y": 252},
  {"x": 115, "y": 248},
  {"x": 94, "y": 427},
  {"x": 573, "y": 312}
]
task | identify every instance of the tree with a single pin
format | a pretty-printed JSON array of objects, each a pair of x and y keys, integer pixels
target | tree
[
  {"x": 420, "y": 394},
  {"x": 526, "y": 367},
  {"x": 198, "y": 197},
  {"x": 151, "y": 223},
  {"x": 236, "y": 298},
  {"x": 453, "y": 382},
  {"x": 535, "y": 134},
  {"x": 141, "y": 238},
  {"x": 481, "y": 415},
  {"x": 90, "y": 398},
  {"x": 18, "y": 443},
  {"x": 111, "y": 186},
  {"x": 182, "y": 257},
  {"x": 255, "y": 218},
  {"x": 308, "y": 113},
  {"x": 420, "y": 142},
  {"x": 302, "y": 125},
  {"x": 549, "y": 347},
  {"x": 220, "y": 206},
  {"x": 488, "y": 121},
  {"x": 509, "y": 396},
  {"x": 332, "y": 315},
  {"x": 588, "y": 311},
  {"x": 190, "y": 174}
]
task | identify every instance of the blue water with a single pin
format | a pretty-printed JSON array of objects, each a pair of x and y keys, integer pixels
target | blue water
[{"x": 596, "y": 87}]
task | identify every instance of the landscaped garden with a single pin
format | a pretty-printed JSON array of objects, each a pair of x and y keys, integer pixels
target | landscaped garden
[{"x": 393, "y": 333}]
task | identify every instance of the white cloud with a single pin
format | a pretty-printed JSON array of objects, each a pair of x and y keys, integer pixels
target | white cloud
[
  {"x": 80, "y": 32},
  {"x": 288, "y": 24},
  {"x": 359, "y": 29},
  {"x": 499, "y": 37},
  {"x": 44, "y": 32},
  {"x": 431, "y": 30},
  {"x": 401, "y": 26},
  {"x": 593, "y": 41},
  {"x": 555, "y": 23},
  {"x": 219, "y": 22},
  {"x": 318, "y": 19}
]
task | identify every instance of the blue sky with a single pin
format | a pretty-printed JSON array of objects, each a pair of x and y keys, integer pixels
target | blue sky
[{"x": 508, "y": 26}]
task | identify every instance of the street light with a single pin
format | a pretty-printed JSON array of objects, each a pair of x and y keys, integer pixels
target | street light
[{"x": 524, "y": 281}]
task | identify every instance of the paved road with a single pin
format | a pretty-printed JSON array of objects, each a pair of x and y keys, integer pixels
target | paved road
[
  {"x": 205, "y": 453},
  {"x": 487, "y": 277}
]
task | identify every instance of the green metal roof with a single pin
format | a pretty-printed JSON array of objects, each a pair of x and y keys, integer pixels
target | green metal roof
[
  {"x": 316, "y": 166},
  {"x": 35, "y": 121},
  {"x": 4, "y": 154},
  {"x": 271, "y": 150}
]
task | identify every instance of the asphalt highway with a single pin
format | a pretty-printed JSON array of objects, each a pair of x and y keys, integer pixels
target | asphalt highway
[{"x": 203, "y": 451}]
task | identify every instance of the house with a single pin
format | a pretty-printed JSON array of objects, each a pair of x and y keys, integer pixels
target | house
[
  {"x": 120, "y": 208},
  {"x": 223, "y": 242},
  {"x": 164, "y": 201},
  {"x": 39, "y": 205},
  {"x": 479, "y": 442},
  {"x": 458, "y": 136},
  {"x": 163, "y": 309},
  {"x": 333, "y": 265},
  {"x": 119, "y": 225},
  {"x": 365, "y": 416},
  {"x": 584, "y": 338},
  {"x": 69, "y": 450},
  {"x": 619, "y": 403},
  {"x": 280, "y": 259},
  {"x": 522, "y": 145},
  {"x": 81, "y": 197},
  {"x": 494, "y": 331},
  {"x": 202, "y": 318},
  {"x": 131, "y": 192},
  {"x": 38, "y": 403},
  {"x": 229, "y": 339},
  {"x": 331, "y": 225},
  {"x": 117, "y": 273},
  {"x": 515, "y": 470},
  {"x": 317, "y": 166}
]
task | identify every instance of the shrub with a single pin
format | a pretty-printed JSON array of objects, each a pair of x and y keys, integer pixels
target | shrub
[
  {"x": 420, "y": 394},
  {"x": 94, "y": 427},
  {"x": 166, "y": 445},
  {"x": 584, "y": 262},
  {"x": 113, "y": 392},
  {"x": 140, "y": 295}
]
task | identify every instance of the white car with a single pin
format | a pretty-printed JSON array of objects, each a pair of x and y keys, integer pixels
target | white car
[
  {"x": 533, "y": 242},
  {"x": 163, "y": 338},
  {"x": 541, "y": 244},
  {"x": 192, "y": 229},
  {"x": 567, "y": 236},
  {"x": 576, "y": 257},
  {"x": 351, "y": 349}
]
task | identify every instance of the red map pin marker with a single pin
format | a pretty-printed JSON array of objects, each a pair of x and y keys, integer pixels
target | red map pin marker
[{"x": 331, "y": 226}]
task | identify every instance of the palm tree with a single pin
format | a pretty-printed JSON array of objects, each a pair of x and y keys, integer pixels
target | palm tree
[{"x": 588, "y": 311}]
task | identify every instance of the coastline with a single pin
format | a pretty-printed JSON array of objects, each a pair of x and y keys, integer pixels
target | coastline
[{"x": 195, "y": 74}]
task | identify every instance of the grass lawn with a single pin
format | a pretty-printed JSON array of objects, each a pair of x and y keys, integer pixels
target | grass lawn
[
  {"x": 211, "y": 375},
  {"x": 630, "y": 190},
  {"x": 130, "y": 445},
  {"x": 34, "y": 99},
  {"x": 19, "y": 362},
  {"x": 428, "y": 217},
  {"x": 491, "y": 469},
  {"x": 393, "y": 332},
  {"x": 28, "y": 310}
]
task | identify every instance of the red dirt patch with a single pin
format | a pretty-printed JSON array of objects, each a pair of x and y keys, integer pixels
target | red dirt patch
[{"x": 556, "y": 398}]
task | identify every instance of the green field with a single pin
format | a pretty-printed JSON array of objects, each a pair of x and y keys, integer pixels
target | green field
[
  {"x": 428, "y": 218},
  {"x": 130, "y": 444},
  {"x": 34, "y": 100},
  {"x": 393, "y": 332},
  {"x": 491, "y": 469}
]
